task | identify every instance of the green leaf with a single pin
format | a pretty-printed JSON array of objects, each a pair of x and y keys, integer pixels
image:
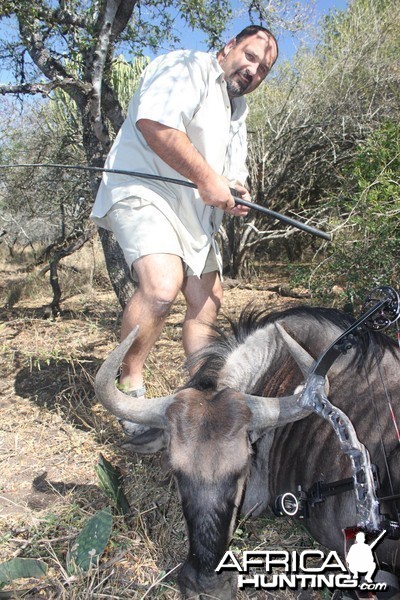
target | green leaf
[
  {"x": 110, "y": 481},
  {"x": 91, "y": 542},
  {"x": 18, "y": 568}
]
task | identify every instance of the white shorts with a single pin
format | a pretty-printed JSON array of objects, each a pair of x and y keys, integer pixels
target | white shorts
[{"x": 141, "y": 229}]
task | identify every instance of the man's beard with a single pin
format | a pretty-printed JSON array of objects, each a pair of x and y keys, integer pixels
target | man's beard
[{"x": 238, "y": 87}]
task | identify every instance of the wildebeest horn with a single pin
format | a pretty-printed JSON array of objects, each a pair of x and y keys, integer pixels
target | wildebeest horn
[
  {"x": 304, "y": 360},
  {"x": 274, "y": 412},
  {"x": 301, "y": 356},
  {"x": 150, "y": 411}
]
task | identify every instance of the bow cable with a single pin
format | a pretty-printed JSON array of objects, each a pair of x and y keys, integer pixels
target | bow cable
[{"x": 393, "y": 496}]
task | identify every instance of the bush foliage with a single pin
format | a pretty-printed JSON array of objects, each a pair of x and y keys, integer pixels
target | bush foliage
[{"x": 365, "y": 252}]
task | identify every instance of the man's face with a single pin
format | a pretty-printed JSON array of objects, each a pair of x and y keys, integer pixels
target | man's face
[{"x": 247, "y": 63}]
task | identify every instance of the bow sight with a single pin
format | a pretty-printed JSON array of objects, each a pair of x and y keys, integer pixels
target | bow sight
[{"x": 381, "y": 309}]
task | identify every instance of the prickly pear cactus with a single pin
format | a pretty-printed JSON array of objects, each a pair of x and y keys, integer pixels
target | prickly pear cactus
[
  {"x": 91, "y": 542},
  {"x": 110, "y": 481},
  {"x": 18, "y": 568}
]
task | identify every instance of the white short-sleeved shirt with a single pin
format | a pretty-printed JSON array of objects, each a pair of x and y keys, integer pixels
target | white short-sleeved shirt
[{"x": 184, "y": 90}]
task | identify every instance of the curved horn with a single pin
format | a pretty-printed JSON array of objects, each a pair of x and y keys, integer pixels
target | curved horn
[
  {"x": 304, "y": 360},
  {"x": 301, "y": 356},
  {"x": 150, "y": 411},
  {"x": 275, "y": 412}
]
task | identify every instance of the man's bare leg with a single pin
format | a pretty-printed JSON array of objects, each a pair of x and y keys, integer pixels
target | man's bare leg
[
  {"x": 203, "y": 298},
  {"x": 160, "y": 279}
]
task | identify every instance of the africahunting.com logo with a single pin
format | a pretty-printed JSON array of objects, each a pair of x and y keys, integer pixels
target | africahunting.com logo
[{"x": 307, "y": 569}]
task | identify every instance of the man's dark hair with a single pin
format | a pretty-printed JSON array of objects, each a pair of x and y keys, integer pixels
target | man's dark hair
[{"x": 252, "y": 30}]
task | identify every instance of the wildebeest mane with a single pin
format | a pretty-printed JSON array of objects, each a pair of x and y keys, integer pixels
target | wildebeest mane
[{"x": 208, "y": 362}]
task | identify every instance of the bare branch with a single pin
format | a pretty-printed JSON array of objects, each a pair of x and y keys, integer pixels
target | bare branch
[
  {"x": 44, "y": 88},
  {"x": 35, "y": 44},
  {"x": 124, "y": 14},
  {"x": 99, "y": 61}
]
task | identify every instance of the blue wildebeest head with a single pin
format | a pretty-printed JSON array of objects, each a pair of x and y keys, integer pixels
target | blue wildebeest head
[{"x": 237, "y": 437}]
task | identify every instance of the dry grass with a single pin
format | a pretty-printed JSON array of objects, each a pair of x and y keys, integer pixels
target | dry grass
[{"x": 52, "y": 431}]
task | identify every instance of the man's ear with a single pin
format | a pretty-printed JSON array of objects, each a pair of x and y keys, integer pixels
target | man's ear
[{"x": 228, "y": 47}]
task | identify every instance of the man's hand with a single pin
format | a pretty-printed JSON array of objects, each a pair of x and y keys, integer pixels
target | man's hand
[
  {"x": 239, "y": 210},
  {"x": 216, "y": 191}
]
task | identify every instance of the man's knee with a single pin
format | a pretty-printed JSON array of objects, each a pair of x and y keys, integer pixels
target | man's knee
[
  {"x": 161, "y": 305},
  {"x": 158, "y": 298},
  {"x": 160, "y": 279},
  {"x": 202, "y": 300},
  {"x": 213, "y": 304},
  {"x": 217, "y": 296}
]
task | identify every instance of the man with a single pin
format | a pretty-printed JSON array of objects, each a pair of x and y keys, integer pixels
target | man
[
  {"x": 185, "y": 121},
  {"x": 360, "y": 557}
]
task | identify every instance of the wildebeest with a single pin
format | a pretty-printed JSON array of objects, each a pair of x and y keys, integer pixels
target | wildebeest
[{"x": 237, "y": 437}]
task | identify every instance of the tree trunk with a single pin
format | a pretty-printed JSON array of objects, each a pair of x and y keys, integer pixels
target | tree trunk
[
  {"x": 117, "y": 268},
  {"x": 55, "y": 284}
]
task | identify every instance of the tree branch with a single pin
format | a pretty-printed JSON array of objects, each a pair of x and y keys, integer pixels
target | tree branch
[
  {"x": 34, "y": 42},
  {"x": 124, "y": 14},
  {"x": 99, "y": 62},
  {"x": 45, "y": 88}
]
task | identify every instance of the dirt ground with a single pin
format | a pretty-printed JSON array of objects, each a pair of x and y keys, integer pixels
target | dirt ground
[{"x": 52, "y": 431}]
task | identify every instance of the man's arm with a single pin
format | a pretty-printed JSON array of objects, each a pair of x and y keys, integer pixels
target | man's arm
[{"x": 175, "y": 149}]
